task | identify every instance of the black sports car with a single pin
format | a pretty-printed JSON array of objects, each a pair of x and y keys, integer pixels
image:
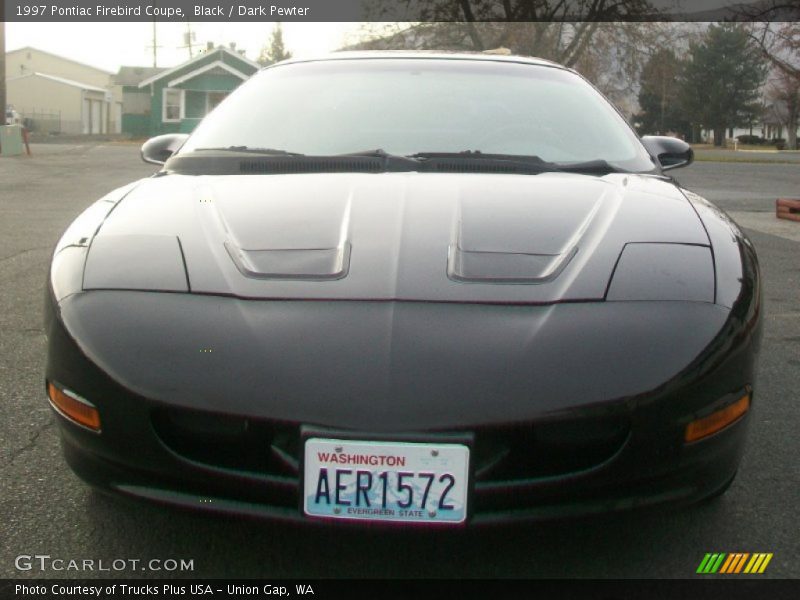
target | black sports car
[{"x": 428, "y": 288}]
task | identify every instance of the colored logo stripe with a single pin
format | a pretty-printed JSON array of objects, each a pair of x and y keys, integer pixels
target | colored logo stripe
[
  {"x": 723, "y": 563},
  {"x": 734, "y": 563},
  {"x": 758, "y": 563},
  {"x": 741, "y": 562},
  {"x": 711, "y": 563}
]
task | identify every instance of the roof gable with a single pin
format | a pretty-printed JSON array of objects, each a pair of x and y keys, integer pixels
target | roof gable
[
  {"x": 216, "y": 66},
  {"x": 58, "y": 56},
  {"x": 62, "y": 80},
  {"x": 220, "y": 53}
]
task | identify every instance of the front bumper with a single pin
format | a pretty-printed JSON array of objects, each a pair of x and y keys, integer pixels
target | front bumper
[
  {"x": 699, "y": 472},
  {"x": 588, "y": 458}
]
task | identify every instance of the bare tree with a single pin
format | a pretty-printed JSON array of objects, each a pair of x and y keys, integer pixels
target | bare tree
[
  {"x": 783, "y": 92},
  {"x": 560, "y": 30},
  {"x": 610, "y": 54},
  {"x": 780, "y": 44}
]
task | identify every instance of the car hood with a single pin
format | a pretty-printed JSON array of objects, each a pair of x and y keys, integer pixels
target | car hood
[{"x": 391, "y": 236}]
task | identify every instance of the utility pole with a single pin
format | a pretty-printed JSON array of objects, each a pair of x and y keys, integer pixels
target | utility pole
[
  {"x": 188, "y": 39},
  {"x": 663, "y": 100},
  {"x": 3, "y": 68},
  {"x": 155, "y": 45},
  {"x": 155, "y": 40}
]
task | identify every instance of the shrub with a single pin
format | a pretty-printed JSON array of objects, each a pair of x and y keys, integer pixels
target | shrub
[{"x": 750, "y": 139}]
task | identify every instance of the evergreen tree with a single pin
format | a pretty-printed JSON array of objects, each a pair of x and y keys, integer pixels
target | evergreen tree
[
  {"x": 722, "y": 81},
  {"x": 275, "y": 51},
  {"x": 661, "y": 110}
]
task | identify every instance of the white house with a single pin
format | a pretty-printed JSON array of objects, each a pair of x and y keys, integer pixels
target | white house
[{"x": 58, "y": 94}]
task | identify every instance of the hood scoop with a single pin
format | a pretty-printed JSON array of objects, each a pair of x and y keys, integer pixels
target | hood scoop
[
  {"x": 322, "y": 263},
  {"x": 288, "y": 236},
  {"x": 505, "y": 267},
  {"x": 518, "y": 238}
]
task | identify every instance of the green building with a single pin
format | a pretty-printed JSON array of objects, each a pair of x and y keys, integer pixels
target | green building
[
  {"x": 135, "y": 113},
  {"x": 181, "y": 96}
]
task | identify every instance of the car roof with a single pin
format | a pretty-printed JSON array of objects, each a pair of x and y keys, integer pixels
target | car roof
[{"x": 425, "y": 54}]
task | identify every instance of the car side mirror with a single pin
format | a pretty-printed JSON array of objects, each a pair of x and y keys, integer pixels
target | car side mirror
[
  {"x": 158, "y": 149},
  {"x": 670, "y": 152}
]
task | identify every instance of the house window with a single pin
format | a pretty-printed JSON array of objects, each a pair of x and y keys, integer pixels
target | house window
[{"x": 173, "y": 105}]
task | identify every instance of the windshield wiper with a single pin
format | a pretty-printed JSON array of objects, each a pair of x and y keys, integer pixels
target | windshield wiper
[
  {"x": 249, "y": 150},
  {"x": 376, "y": 153},
  {"x": 378, "y": 160},
  {"x": 389, "y": 162},
  {"x": 593, "y": 167},
  {"x": 478, "y": 162},
  {"x": 597, "y": 166},
  {"x": 478, "y": 155}
]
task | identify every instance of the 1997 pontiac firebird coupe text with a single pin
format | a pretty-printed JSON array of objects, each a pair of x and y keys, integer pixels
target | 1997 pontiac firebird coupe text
[{"x": 455, "y": 289}]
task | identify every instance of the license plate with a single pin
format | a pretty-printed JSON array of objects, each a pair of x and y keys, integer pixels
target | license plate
[{"x": 386, "y": 481}]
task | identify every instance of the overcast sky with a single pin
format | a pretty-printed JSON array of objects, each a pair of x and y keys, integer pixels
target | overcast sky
[{"x": 109, "y": 45}]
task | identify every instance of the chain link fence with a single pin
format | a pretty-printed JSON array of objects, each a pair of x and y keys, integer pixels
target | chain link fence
[{"x": 47, "y": 121}]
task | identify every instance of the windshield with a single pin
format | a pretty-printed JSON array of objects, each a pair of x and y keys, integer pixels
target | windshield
[{"x": 410, "y": 106}]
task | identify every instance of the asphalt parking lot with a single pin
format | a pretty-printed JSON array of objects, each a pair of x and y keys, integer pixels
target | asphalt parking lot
[{"x": 48, "y": 511}]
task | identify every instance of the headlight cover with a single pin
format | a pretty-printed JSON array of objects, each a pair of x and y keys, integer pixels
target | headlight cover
[{"x": 659, "y": 271}]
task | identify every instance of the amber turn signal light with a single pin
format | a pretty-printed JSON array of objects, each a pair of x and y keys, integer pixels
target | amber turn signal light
[
  {"x": 74, "y": 407},
  {"x": 700, "y": 428}
]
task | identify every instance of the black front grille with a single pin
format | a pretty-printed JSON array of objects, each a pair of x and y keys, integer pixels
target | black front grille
[
  {"x": 546, "y": 449},
  {"x": 504, "y": 454},
  {"x": 234, "y": 443}
]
